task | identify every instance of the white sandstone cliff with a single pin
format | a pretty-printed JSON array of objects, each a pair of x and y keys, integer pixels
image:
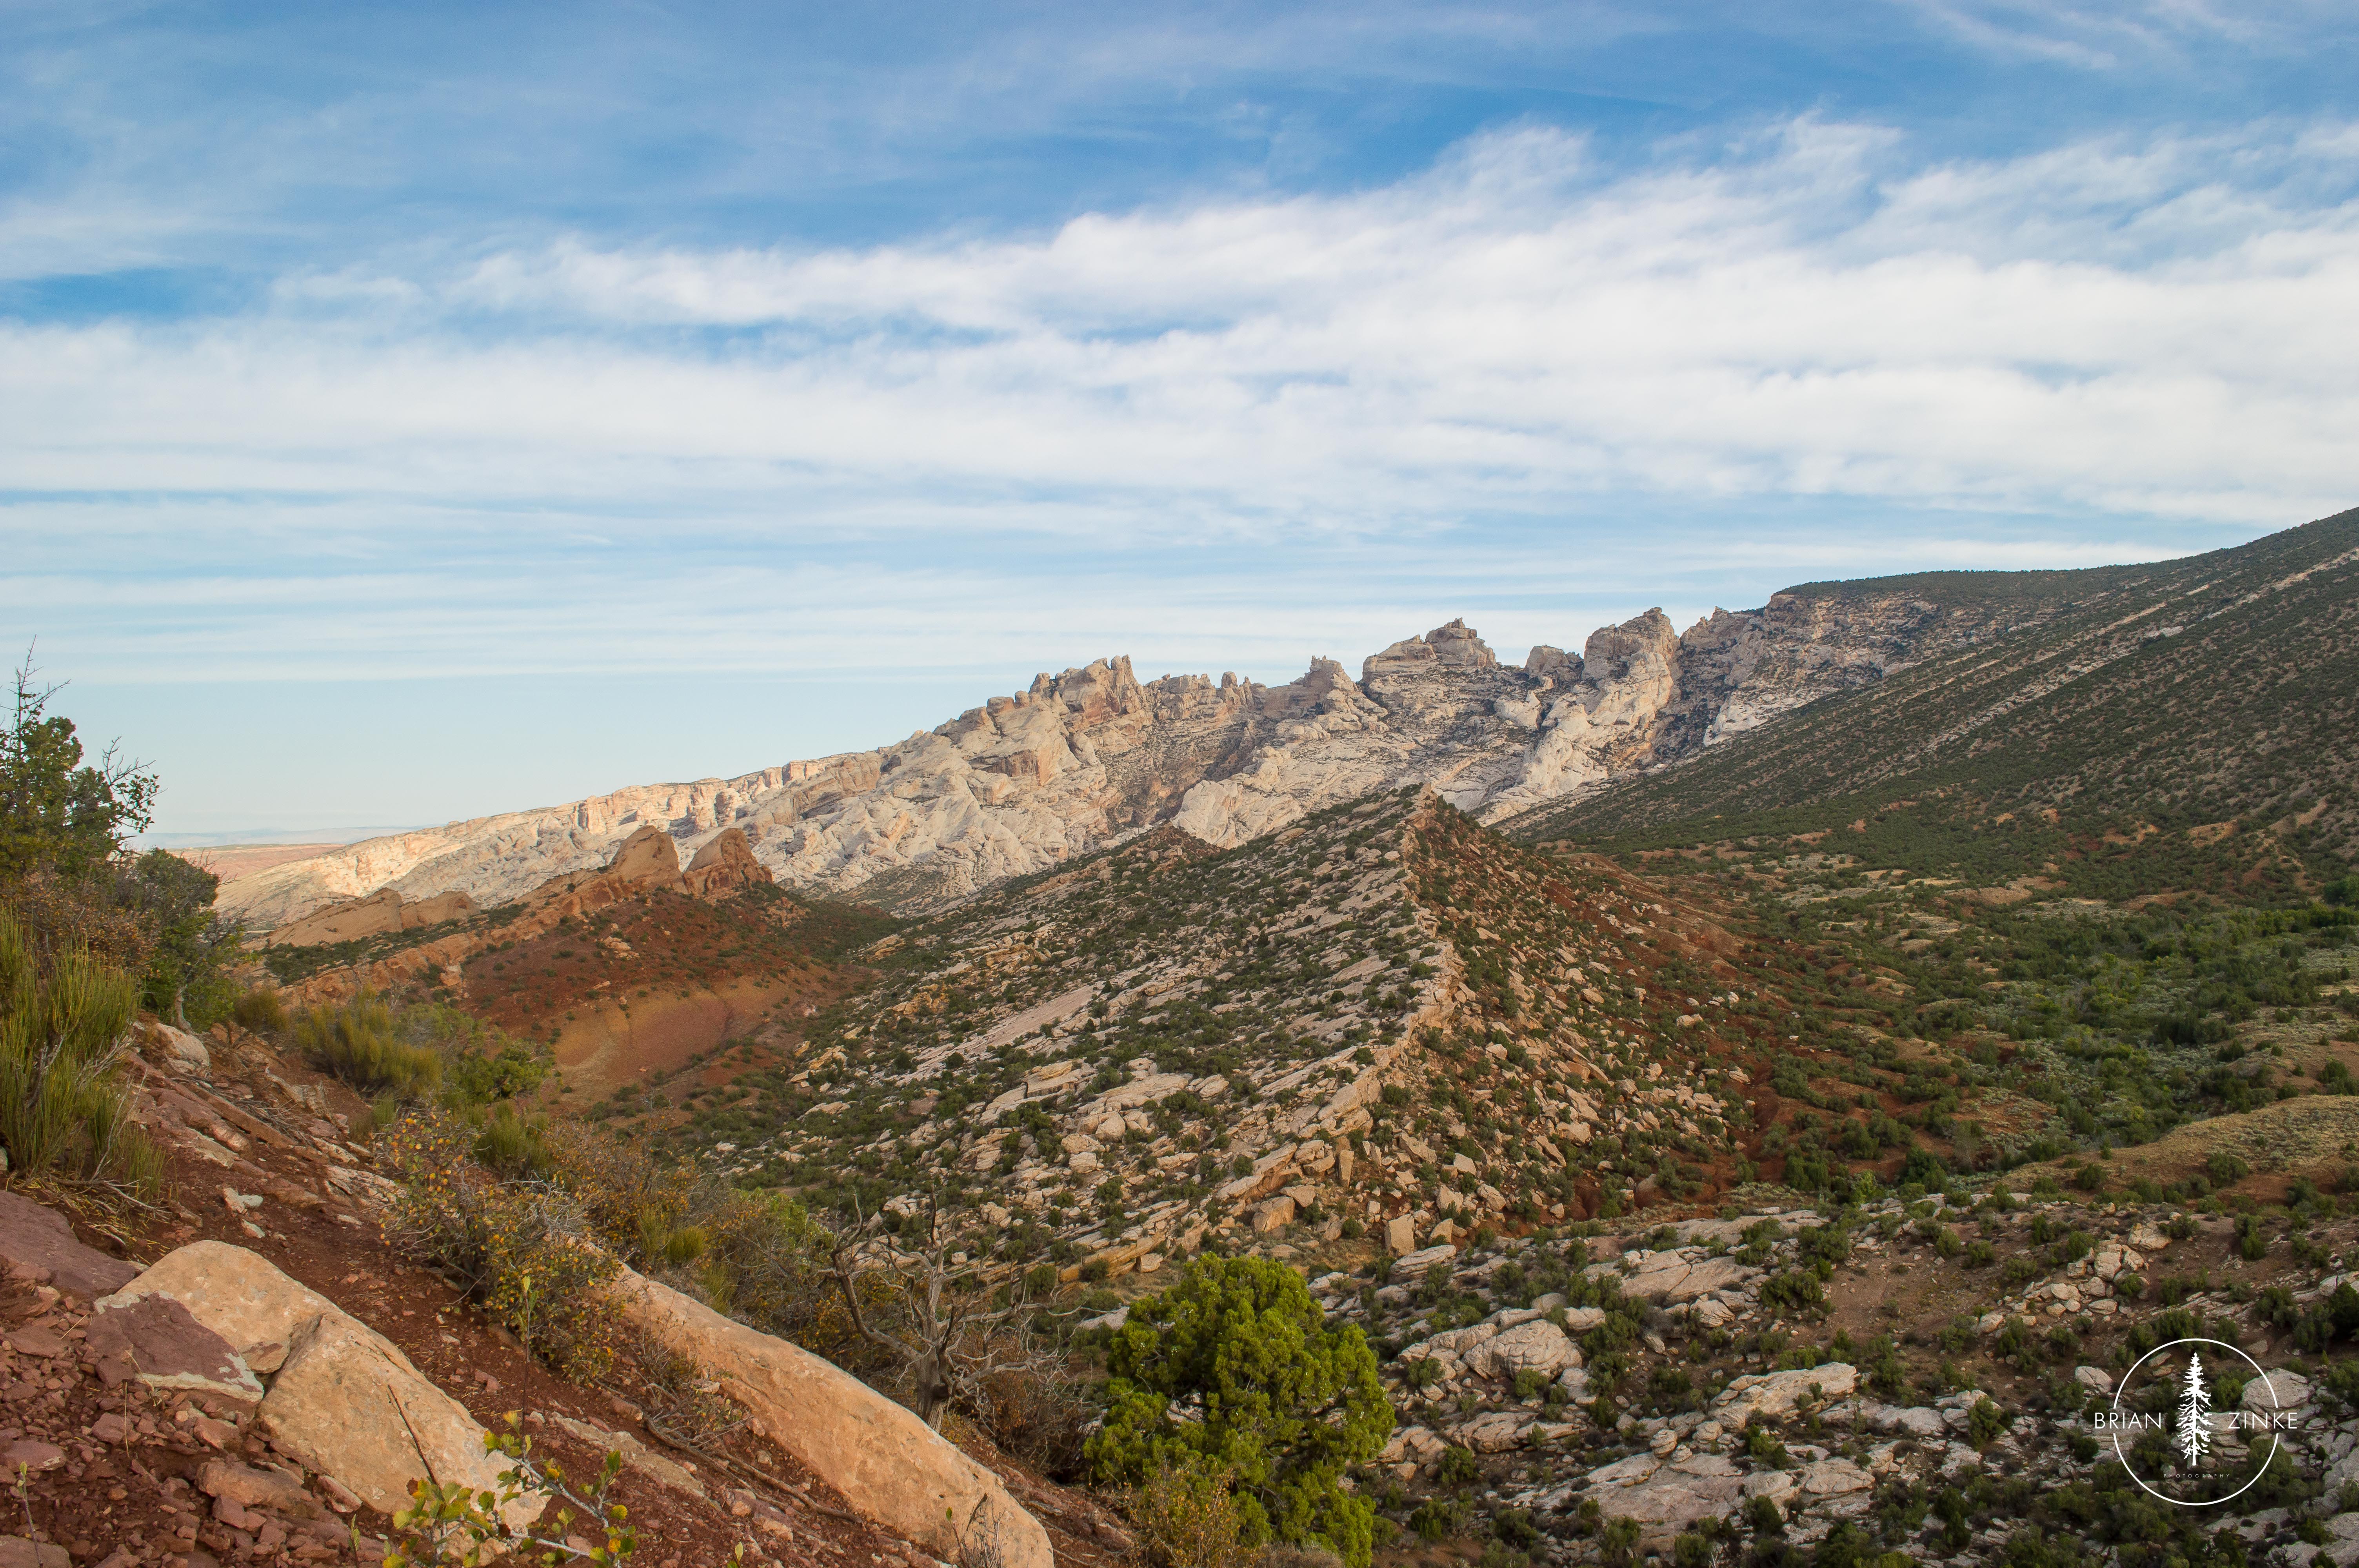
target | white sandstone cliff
[{"x": 1088, "y": 756}]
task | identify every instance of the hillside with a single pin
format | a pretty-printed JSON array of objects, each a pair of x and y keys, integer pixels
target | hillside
[
  {"x": 2160, "y": 728},
  {"x": 1659, "y": 1193},
  {"x": 1383, "y": 1019}
]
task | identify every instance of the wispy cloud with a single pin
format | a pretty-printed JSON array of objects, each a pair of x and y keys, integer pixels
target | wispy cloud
[{"x": 2152, "y": 329}]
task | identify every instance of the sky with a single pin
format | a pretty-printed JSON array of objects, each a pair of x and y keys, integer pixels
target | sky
[{"x": 410, "y": 413}]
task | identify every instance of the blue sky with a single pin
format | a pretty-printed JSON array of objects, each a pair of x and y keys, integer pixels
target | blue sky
[{"x": 410, "y": 413}]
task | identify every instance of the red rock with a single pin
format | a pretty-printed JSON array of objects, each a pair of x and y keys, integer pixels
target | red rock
[
  {"x": 37, "y": 1339},
  {"x": 226, "y": 1480},
  {"x": 339, "y": 1497},
  {"x": 215, "y": 1433},
  {"x": 32, "y": 1234},
  {"x": 30, "y": 1453},
  {"x": 157, "y": 1339},
  {"x": 110, "y": 1427},
  {"x": 16, "y": 1552}
]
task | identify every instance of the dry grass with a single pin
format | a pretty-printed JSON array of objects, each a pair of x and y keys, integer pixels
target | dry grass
[{"x": 2292, "y": 1137}]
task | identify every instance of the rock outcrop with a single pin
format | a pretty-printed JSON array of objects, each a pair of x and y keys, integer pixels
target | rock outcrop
[
  {"x": 899, "y": 1470},
  {"x": 1093, "y": 754},
  {"x": 725, "y": 864},
  {"x": 345, "y": 1402},
  {"x": 380, "y": 914}
]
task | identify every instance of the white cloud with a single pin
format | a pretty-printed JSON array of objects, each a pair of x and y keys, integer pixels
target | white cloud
[{"x": 2105, "y": 331}]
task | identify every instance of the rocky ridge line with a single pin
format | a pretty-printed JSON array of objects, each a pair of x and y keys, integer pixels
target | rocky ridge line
[{"x": 1092, "y": 755}]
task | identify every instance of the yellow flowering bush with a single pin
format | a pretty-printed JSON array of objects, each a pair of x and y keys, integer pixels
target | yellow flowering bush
[{"x": 521, "y": 1249}]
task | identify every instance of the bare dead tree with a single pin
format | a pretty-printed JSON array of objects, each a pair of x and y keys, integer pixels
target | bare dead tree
[{"x": 946, "y": 1347}]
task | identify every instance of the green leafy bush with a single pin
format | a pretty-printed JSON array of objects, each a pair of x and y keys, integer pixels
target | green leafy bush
[{"x": 1288, "y": 1402}]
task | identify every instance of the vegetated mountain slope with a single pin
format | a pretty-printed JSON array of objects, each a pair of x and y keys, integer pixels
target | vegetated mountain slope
[
  {"x": 2037, "y": 1025},
  {"x": 1086, "y": 758},
  {"x": 1382, "y": 1013},
  {"x": 2185, "y": 724}
]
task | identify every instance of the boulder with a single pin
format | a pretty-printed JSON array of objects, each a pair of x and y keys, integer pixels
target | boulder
[
  {"x": 636, "y": 1456},
  {"x": 648, "y": 859},
  {"x": 156, "y": 1340},
  {"x": 36, "y": 1243},
  {"x": 1275, "y": 1214},
  {"x": 175, "y": 1048},
  {"x": 2096, "y": 1379},
  {"x": 1458, "y": 1341},
  {"x": 1775, "y": 1395},
  {"x": 1536, "y": 1346},
  {"x": 348, "y": 1404},
  {"x": 1919, "y": 1421},
  {"x": 345, "y": 1402},
  {"x": 889, "y": 1465},
  {"x": 1833, "y": 1478},
  {"x": 1672, "y": 1279},
  {"x": 2281, "y": 1389},
  {"x": 1668, "y": 1498},
  {"x": 1413, "y": 1265},
  {"x": 1495, "y": 1432},
  {"x": 1400, "y": 1235},
  {"x": 238, "y": 1294}
]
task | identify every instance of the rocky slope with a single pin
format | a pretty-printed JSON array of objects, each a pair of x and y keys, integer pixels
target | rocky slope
[
  {"x": 1087, "y": 757},
  {"x": 254, "y": 1371},
  {"x": 1383, "y": 1017},
  {"x": 1522, "y": 1117}
]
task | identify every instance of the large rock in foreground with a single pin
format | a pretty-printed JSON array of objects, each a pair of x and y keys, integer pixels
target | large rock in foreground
[
  {"x": 888, "y": 1463},
  {"x": 347, "y": 1402}
]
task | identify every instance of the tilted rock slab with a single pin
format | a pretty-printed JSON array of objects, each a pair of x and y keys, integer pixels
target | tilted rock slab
[
  {"x": 887, "y": 1464},
  {"x": 346, "y": 1402}
]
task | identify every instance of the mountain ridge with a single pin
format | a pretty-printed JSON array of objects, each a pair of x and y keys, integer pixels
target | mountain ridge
[{"x": 1090, "y": 756}]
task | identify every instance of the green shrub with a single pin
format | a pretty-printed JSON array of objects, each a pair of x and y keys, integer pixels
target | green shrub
[
  {"x": 64, "y": 1110},
  {"x": 1792, "y": 1291},
  {"x": 260, "y": 1010},
  {"x": 1289, "y": 1401},
  {"x": 2252, "y": 1241},
  {"x": 355, "y": 1041}
]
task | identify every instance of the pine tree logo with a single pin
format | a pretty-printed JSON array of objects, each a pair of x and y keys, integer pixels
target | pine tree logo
[{"x": 2194, "y": 1441}]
